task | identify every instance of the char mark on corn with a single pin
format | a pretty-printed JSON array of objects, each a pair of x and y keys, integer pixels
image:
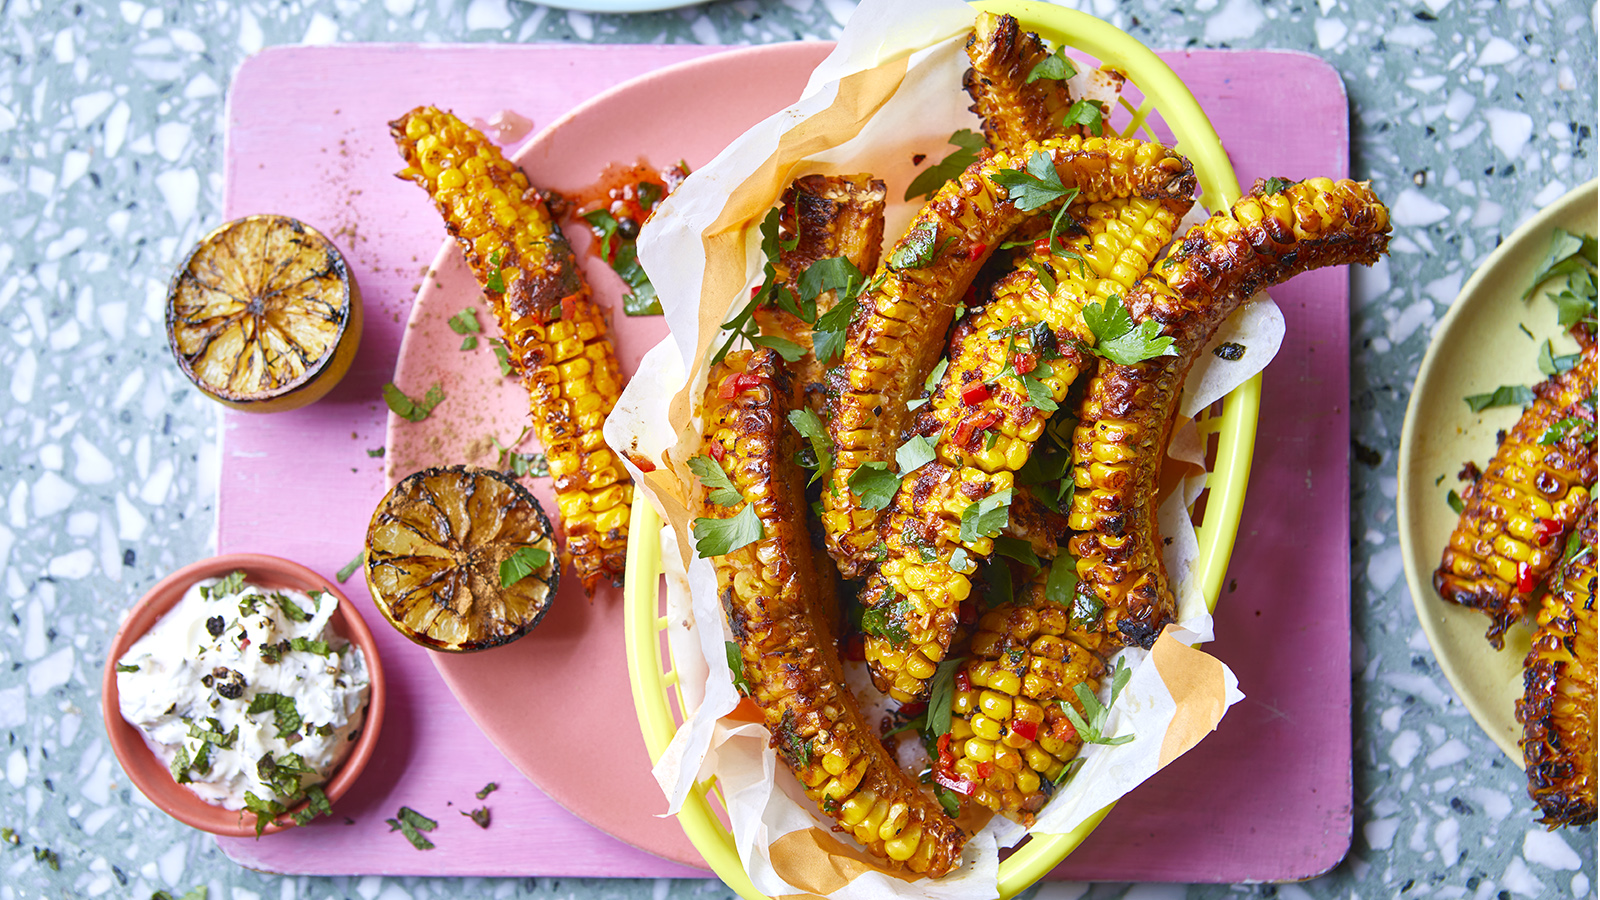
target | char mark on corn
[
  {"x": 985, "y": 425},
  {"x": 1127, "y": 413},
  {"x": 1557, "y": 711},
  {"x": 1013, "y": 111},
  {"x": 899, "y": 332},
  {"x": 1512, "y": 530},
  {"x": 554, "y": 332},
  {"x": 778, "y": 603}
]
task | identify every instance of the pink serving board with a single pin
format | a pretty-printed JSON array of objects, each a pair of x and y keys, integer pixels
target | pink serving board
[{"x": 1266, "y": 798}]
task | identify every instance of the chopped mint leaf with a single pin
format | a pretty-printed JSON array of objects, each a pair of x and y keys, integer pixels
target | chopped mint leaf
[{"x": 522, "y": 563}]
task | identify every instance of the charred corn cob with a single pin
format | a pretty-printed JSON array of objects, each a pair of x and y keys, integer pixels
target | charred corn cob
[
  {"x": 1127, "y": 413},
  {"x": 1011, "y": 742},
  {"x": 1511, "y": 533},
  {"x": 1013, "y": 111},
  {"x": 985, "y": 418},
  {"x": 554, "y": 332},
  {"x": 824, "y": 216},
  {"x": 898, "y": 334},
  {"x": 777, "y": 603},
  {"x": 1557, "y": 711}
]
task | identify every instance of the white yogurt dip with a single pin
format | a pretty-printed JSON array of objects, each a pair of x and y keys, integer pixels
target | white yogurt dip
[{"x": 246, "y": 694}]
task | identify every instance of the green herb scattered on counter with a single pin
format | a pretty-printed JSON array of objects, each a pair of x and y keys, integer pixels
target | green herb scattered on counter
[
  {"x": 408, "y": 409},
  {"x": 412, "y": 824},
  {"x": 502, "y": 355},
  {"x": 200, "y": 893},
  {"x": 350, "y": 567},
  {"x": 375, "y": 453},
  {"x": 480, "y": 816},
  {"x": 486, "y": 790},
  {"x": 48, "y": 857}
]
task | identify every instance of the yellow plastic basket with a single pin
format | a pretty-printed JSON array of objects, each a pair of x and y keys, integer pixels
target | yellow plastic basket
[{"x": 651, "y": 673}]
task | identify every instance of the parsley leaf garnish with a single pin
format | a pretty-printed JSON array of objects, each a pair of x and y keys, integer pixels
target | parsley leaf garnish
[
  {"x": 1056, "y": 67},
  {"x": 934, "y": 177},
  {"x": 1504, "y": 395},
  {"x": 998, "y": 577},
  {"x": 719, "y": 537},
  {"x": 986, "y": 517},
  {"x": 1276, "y": 185},
  {"x": 886, "y": 621},
  {"x": 1018, "y": 549},
  {"x": 1550, "y": 364},
  {"x": 914, "y": 454},
  {"x": 827, "y": 340},
  {"x": 1567, "y": 254},
  {"x": 1091, "y": 726},
  {"x": 1088, "y": 114},
  {"x": 502, "y": 355},
  {"x": 720, "y": 488},
  {"x": 1037, "y": 187},
  {"x": 806, "y": 421},
  {"x": 1116, "y": 337},
  {"x": 495, "y": 282},
  {"x": 1456, "y": 503},
  {"x": 736, "y": 666},
  {"x": 918, "y": 249},
  {"x": 789, "y": 350},
  {"x": 941, "y": 691},
  {"x": 1560, "y": 429},
  {"x": 874, "y": 484},
  {"x": 936, "y": 374},
  {"x": 522, "y": 563},
  {"x": 408, "y": 409},
  {"x": 466, "y": 323}
]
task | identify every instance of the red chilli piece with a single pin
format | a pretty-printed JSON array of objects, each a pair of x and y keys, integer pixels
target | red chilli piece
[
  {"x": 956, "y": 783},
  {"x": 1024, "y": 362},
  {"x": 963, "y": 681},
  {"x": 976, "y": 394},
  {"x": 1041, "y": 247},
  {"x": 1525, "y": 580},
  {"x": 1064, "y": 730},
  {"x": 717, "y": 453},
  {"x": 975, "y": 252},
  {"x": 913, "y": 709},
  {"x": 985, "y": 769},
  {"x": 1028, "y": 731},
  {"x": 1546, "y": 531}
]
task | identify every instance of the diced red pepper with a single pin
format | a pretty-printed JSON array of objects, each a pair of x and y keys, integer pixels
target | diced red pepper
[
  {"x": 717, "y": 453},
  {"x": 975, "y": 394},
  {"x": 735, "y": 383},
  {"x": 963, "y": 680},
  {"x": 1063, "y": 730},
  {"x": 1546, "y": 531},
  {"x": 985, "y": 769},
  {"x": 955, "y": 783},
  {"x": 946, "y": 758},
  {"x": 1028, "y": 731},
  {"x": 754, "y": 291},
  {"x": 973, "y": 425},
  {"x": 914, "y": 708},
  {"x": 1024, "y": 362},
  {"x": 1041, "y": 247},
  {"x": 975, "y": 251},
  {"x": 569, "y": 308},
  {"x": 1525, "y": 579}
]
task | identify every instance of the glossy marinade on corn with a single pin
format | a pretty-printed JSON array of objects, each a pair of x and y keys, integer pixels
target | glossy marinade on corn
[
  {"x": 899, "y": 332},
  {"x": 1557, "y": 711},
  {"x": 985, "y": 425},
  {"x": 554, "y": 331},
  {"x": 1517, "y": 512},
  {"x": 1278, "y": 231},
  {"x": 778, "y": 602}
]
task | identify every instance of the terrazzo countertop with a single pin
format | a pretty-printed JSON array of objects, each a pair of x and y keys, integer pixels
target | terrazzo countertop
[{"x": 1467, "y": 115}]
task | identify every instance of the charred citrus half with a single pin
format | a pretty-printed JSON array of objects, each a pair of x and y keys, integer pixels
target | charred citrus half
[
  {"x": 263, "y": 315},
  {"x": 461, "y": 558}
]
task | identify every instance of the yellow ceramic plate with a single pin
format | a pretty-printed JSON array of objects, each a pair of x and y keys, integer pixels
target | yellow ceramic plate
[{"x": 1477, "y": 347}]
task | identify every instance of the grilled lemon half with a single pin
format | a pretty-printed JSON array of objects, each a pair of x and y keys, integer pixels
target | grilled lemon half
[
  {"x": 263, "y": 315},
  {"x": 461, "y": 558}
]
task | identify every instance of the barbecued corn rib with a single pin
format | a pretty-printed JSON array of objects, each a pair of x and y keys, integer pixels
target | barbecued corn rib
[
  {"x": 824, "y": 216},
  {"x": 1511, "y": 533},
  {"x": 1127, "y": 412},
  {"x": 1010, "y": 739},
  {"x": 1013, "y": 110},
  {"x": 555, "y": 334},
  {"x": 776, "y": 600},
  {"x": 898, "y": 333},
  {"x": 985, "y": 423},
  {"x": 1558, "y": 706}
]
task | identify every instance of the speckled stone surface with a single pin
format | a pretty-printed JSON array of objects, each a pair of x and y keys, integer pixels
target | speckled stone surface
[{"x": 1468, "y": 116}]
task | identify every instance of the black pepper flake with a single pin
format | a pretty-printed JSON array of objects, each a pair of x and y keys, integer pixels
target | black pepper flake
[
  {"x": 228, "y": 683},
  {"x": 215, "y": 625},
  {"x": 1229, "y": 351}
]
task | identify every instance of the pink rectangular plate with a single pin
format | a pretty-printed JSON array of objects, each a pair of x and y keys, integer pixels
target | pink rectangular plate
[{"x": 1266, "y": 798}]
